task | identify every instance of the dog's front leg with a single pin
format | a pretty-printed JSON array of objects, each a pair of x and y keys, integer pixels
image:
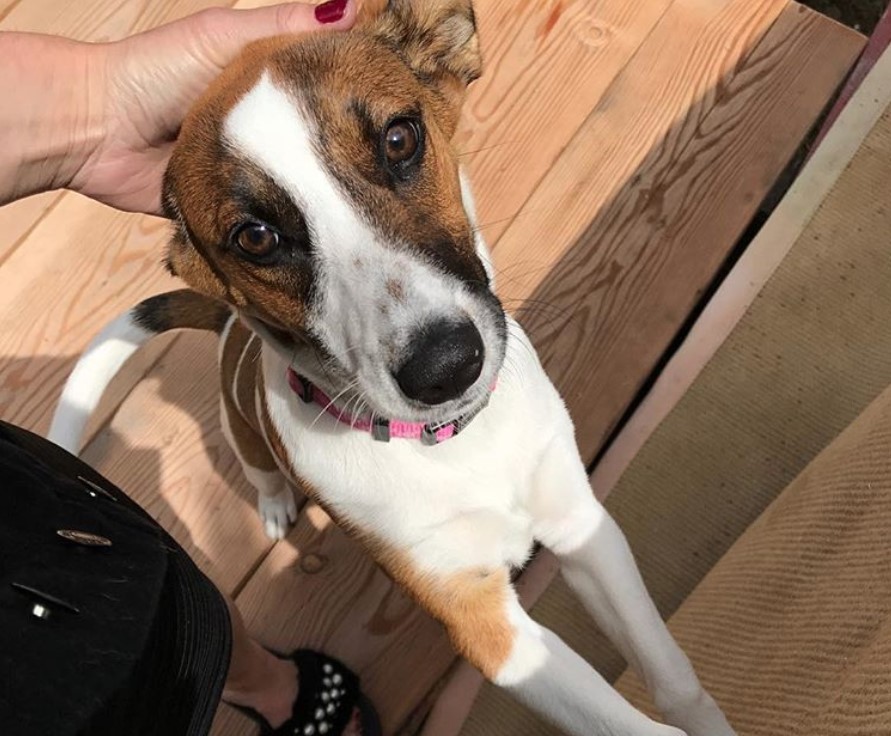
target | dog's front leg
[
  {"x": 276, "y": 503},
  {"x": 597, "y": 563},
  {"x": 490, "y": 629}
]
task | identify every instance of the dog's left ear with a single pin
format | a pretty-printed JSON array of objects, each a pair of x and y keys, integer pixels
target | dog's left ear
[{"x": 438, "y": 38}]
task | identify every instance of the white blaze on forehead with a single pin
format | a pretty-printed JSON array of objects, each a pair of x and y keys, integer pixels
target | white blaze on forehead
[{"x": 268, "y": 127}]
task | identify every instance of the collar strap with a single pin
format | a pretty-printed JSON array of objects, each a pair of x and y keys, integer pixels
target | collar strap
[{"x": 383, "y": 430}]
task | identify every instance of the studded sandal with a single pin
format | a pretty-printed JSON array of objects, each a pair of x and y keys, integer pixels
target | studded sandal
[{"x": 329, "y": 694}]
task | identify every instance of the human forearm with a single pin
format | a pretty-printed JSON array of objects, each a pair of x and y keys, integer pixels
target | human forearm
[
  {"x": 102, "y": 118},
  {"x": 51, "y": 111}
]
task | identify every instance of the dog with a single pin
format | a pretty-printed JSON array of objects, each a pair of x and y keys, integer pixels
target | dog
[{"x": 327, "y": 235}]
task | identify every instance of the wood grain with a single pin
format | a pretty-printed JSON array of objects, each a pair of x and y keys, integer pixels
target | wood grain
[
  {"x": 98, "y": 20},
  {"x": 81, "y": 266},
  {"x": 540, "y": 57},
  {"x": 6, "y": 7},
  {"x": 738, "y": 292},
  {"x": 165, "y": 447},
  {"x": 18, "y": 219},
  {"x": 632, "y": 223}
]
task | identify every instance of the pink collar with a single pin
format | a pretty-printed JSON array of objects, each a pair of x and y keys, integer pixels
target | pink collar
[{"x": 381, "y": 429}]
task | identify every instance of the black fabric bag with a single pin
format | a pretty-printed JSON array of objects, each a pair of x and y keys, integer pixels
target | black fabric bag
[{"x": 106, "y": 625}]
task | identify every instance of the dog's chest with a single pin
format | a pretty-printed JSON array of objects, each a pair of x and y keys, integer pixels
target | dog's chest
[
  {"x": 458, "y": 505},
  {"x": 453, "y": 506}
]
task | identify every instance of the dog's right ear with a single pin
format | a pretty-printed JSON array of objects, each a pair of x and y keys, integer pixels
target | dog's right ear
[
  {"x": 438, "y": 38},
  {"x": 170, "y": 208},
  {"x": 183, "y": 259}
]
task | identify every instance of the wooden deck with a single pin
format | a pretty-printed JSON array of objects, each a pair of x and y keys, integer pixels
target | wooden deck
[{"x": 618, "y": 148}]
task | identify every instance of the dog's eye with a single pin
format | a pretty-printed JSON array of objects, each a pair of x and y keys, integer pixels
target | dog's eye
[
  {"x": 257, "y": 241},
  {"x": 403, "y": 142}
]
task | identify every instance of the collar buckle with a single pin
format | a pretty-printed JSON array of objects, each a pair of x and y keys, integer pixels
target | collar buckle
[
  {"x": 306, "y": 389},
  {"x": 380, "y": 429},
  {"x": 430, "y": 431}
]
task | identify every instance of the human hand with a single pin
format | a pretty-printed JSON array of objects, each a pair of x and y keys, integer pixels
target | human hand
[{"x": 149, "y": 81}]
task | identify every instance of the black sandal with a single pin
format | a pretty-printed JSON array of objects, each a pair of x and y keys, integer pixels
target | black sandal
[{"x": 329, "y": 693}]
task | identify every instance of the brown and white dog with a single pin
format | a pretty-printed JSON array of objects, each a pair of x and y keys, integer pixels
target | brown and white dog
[{"x": 328, "y": 237}]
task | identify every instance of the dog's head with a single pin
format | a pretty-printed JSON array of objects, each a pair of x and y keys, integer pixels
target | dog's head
[{"x": 315, "y": 189}]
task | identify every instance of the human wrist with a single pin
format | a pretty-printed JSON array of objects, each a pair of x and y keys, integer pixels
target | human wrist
[{"x": 58, "y": 116}]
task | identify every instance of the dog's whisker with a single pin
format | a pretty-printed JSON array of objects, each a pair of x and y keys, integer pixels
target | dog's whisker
[
  {"x": 350, "y": 410},
  {"x": 478, "y": 228},
  {"x": 535, "y": 306},
  {"x": 519, "y": 338},
  {"x": 521, "y": 213},
  {"x": 462, "y": 154},
  {"x": 332, "y": 402}
]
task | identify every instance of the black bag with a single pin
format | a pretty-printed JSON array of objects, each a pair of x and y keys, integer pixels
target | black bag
[{"x": 106, "y": 625}]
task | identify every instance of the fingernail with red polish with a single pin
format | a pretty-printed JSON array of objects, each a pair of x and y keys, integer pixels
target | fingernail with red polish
[{"x": 332, "y": 11}]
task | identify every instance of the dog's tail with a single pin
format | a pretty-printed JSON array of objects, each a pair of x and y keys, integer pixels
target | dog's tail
[{"x": 121, "y": 338}]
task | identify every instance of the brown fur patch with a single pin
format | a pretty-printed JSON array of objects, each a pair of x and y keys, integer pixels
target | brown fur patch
[
  {"x": 241, "y": 346},
  {"x": 369, "y": 10},
  {"x": 439, "y": 37},
  {"x": 202, "y": 187},
  {"x": 396, "y": 289},
  {"x": 183, "y": 309},
  {"x": 472, "y": 605},
  {"x": 273, "y": 438}
]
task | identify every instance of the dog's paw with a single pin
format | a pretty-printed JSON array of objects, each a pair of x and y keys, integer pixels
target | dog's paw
[{"x": 277, "y": 512}]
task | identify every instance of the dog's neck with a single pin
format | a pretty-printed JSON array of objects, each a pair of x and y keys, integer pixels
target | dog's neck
[
  {"x": 310, "y": 364},
  {"x": 313, "y": 380}
]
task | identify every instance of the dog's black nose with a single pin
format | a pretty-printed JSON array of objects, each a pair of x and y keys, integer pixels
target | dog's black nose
[{"x": 446, "y": 359}]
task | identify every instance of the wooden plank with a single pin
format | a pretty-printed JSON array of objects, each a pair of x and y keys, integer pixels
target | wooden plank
[
  {"x": 6, "y": 7},
  {"x": 756, "y": 266},
  {"x": 540, "y": 57},
  {"x": 673, "y": 165},
  {"x": 18, "y": 219},
  {"x": 98, "y": 20},
  {"x": 81, "y": 266},
  {"x": 166, "y": 449}
]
